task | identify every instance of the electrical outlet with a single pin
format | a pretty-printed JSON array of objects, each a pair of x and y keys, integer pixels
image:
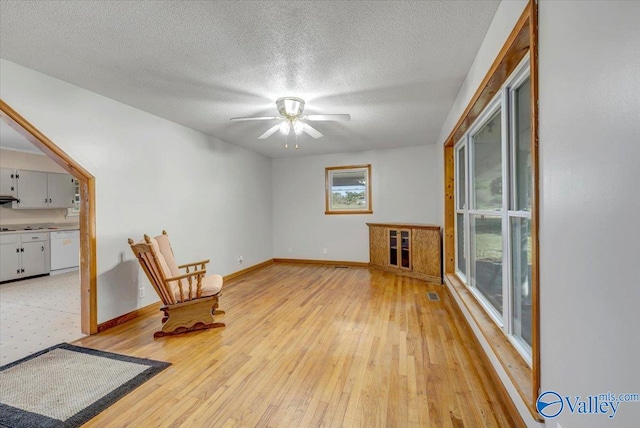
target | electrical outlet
[
  {"x": 289, "y": 250},
  {"x": 240, "y": 260},
  {"x": 141, "y": 292},
  {"x": 324, "y": 251}
]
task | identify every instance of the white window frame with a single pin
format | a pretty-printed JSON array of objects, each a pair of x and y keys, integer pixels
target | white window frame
[
  {"x": 517, "y": 78},
  {"x": 503, "y": 100},
  {"x": 75, "y": 211},
  {"x": 489, "y": 111},
  {"x": 461, "y": 210}
]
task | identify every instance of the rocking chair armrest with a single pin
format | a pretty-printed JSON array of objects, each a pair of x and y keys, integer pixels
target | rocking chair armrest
[
  {"x": 186, "y": 275},
  {"x": 203, "y": 262}
]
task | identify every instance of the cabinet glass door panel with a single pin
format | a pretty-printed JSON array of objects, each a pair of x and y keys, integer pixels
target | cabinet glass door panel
[
  {"x": 405, "y": 255},
  {"x": 393, "y": 247}
]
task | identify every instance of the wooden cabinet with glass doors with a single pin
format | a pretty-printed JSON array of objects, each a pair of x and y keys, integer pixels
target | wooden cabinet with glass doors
[
  {"x": 407, "y": 249},
  {"x": 399, "y": 248}
]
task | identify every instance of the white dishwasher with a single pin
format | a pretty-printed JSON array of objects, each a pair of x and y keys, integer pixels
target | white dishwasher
[{"x": 64, "y": 249}]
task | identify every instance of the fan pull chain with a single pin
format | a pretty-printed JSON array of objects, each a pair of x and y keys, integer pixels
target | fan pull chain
[{"x": 286, "y": 141}]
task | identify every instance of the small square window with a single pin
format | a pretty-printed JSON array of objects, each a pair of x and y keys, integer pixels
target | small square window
[{"x": 348, "y": 189}]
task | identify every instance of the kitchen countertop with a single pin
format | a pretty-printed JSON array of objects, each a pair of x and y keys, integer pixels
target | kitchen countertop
[{"x": 46, "y": 227}]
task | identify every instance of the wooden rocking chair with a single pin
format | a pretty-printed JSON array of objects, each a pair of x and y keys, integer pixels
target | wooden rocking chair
[{"x": 190, "y": 297}]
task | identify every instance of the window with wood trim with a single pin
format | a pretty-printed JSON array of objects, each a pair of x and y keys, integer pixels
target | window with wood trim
[
  {"x": 522, "y": 222},
  {"x": 493, "y": 209},
  {"x": 348, "y": 189}
]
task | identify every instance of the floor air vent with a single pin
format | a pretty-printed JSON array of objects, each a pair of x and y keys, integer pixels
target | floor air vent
[
  {"x": 341, "y": 267},
  {"x": 433, "y": 296}
]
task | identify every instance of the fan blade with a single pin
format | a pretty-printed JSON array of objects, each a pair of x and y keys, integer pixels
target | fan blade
[
  {"x": 323, "y": 117},
  {"x": 256, "y": 118},
  {"x": 270, "y": 132},
  {"x": 311, "y": 131}
]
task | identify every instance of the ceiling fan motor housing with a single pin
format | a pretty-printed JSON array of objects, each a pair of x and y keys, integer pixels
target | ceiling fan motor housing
[{"x": 290, "y": 107}]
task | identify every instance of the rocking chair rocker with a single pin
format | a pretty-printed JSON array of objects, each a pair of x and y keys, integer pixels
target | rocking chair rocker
[{"x": 190, "y": 297}]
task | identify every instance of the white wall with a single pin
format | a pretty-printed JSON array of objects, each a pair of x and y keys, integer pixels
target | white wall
[
  {"x": 403, "y": 191},
  {"x": 213, "y": 198},
  {"x": 31, "y": 161},
  {"x": 590, "y": 200}
]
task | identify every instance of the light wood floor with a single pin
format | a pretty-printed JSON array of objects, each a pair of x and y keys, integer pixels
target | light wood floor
[{"x": 309, "y": 345}]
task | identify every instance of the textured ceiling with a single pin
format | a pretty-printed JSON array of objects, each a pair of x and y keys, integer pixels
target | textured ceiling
[{"x": 395, "y": 66}]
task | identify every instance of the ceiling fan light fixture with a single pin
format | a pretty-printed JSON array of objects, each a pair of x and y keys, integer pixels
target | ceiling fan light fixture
[
  {"x": 298, "y": 127},
  {"x": 285, "y": 127}
]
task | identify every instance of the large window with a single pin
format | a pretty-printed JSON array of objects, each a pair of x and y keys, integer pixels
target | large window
[{"x": 493, "y": 209}]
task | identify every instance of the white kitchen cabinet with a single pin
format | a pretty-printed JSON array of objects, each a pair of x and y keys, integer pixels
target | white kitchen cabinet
[
  {"x": 23, "y": 255},
  {"x": 7, "y": 182},
  {"x": 36, "y": 189},
  {"x": 61, "y": 189},
  {"x": 31, "y": 189},
  {"x": 10, "y": 257}
]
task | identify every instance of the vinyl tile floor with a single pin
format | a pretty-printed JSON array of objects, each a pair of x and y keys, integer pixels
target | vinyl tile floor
[{"x": 38, "y": 313}]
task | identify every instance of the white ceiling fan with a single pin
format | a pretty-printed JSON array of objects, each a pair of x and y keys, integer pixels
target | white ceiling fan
[{"x": 291, "y": 118}]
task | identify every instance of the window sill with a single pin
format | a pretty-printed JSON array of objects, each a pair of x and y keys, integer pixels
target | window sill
[
  {"x": 512, "y": 362},
  {"x": 349, "y": 212}
]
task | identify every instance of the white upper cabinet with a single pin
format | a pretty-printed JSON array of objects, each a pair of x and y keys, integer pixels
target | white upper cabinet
[
  {"x": 37, "y": 189},
  {"x": 7, "y": 182},
  {"x": 62, "y": 190},
  {"x": 32, "y": 189}
]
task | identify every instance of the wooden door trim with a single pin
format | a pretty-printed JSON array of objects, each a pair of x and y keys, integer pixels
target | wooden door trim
[{"x": 88, "y": 264}]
